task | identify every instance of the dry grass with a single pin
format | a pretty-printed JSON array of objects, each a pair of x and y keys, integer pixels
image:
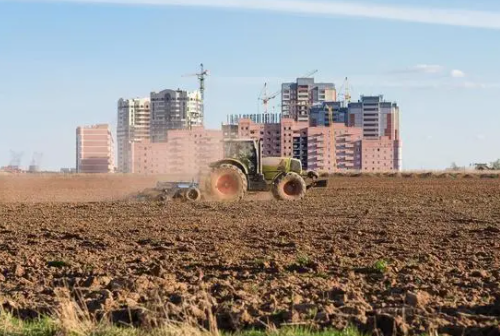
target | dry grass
[{"x": 71, "y": 318}]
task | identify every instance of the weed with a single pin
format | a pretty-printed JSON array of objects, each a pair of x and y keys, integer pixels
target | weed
[
  {"x": 312, "y": 313},
  {"x": 380, "y": 266},
  {"x": 303, "y": 260}
]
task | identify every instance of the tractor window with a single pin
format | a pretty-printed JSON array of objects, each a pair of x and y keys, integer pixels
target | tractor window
[{"x": 245, "y": 152}]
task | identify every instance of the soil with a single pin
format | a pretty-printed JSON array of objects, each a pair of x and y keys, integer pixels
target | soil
[{"x": 390, "y": 256}]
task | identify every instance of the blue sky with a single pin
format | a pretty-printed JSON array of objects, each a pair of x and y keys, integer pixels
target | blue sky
[{"x": 66, "y": 63}]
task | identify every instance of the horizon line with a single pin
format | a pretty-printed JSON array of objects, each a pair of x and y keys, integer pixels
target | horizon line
[{"x": 425, "y": 15}]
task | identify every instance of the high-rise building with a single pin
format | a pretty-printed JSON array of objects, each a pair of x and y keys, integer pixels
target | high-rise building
[
  {"x": 376, "y": 117},
  {"x": 173, "y": 110},
  {"x": 298, "y": 98},
  {"x": 94, "y": 149},
  {"x": 320, "y": 114},
  {"x": 133, "y": 125}
]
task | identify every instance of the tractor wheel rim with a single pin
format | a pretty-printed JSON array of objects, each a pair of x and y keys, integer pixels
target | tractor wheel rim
[
  {"x": 192, "y": 194},
  {"x": 291, "y": 189},
  {"x": 227, "y": 185}
]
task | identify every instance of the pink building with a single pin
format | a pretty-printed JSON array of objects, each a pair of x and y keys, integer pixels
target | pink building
[
  {"x": 185, "y": 153},
  {"x": 321, "y": 148},
  {"x": 348, "y": 147},
  {"x": 94, "y": 149},
  {"x": 269, "y": 134},
  {"x": 321, "y": 145},
  {"x": 380, "y": 154},
  {"x": 314, "y": 146}
]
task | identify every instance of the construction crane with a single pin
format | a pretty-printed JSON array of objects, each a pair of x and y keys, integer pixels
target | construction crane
[
  {"x": 266, "y": 99},
  {"x": 347, "y": 92},
  {"x": 309, "y": 74},
  {"x": 15, "y": 160},
  {"x": 201, "y": 77}
]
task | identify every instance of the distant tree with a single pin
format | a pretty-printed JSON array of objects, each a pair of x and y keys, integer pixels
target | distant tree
[
  {"x": 454, "y": 166},
  {"x": 496, "y": 165}
]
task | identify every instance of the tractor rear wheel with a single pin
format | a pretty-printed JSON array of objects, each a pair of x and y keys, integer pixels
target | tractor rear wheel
[
  {"x": 228, "y": 183},
  {"x": 289, "y": 187}
]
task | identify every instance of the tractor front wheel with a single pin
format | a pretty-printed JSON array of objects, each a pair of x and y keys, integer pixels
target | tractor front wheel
[
  {"x": 289, "y": 187},
  {"x": 228, "y": 183}
]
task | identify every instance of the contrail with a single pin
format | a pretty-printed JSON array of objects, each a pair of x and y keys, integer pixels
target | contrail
[{"x": 452, "y": 17}]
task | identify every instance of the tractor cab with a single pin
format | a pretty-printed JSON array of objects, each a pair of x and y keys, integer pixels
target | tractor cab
[{"x": 246, "y": 151}]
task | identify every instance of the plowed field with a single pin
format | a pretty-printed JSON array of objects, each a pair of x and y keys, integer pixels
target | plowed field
[{"x": 395, "y": 255}]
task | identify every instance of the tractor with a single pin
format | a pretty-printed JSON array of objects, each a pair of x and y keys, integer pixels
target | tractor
[{"x": 243, "y": 170}]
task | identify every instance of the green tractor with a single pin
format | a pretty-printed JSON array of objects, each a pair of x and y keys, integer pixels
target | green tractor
[{"x": 243, "y": 169}]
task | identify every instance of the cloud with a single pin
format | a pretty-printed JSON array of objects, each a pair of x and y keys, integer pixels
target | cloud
[
  {"x": 457, "y": 73},
  {"x": 452, "y": 17},
  {"x": 421, "y": 69},
  {"x": 432, "y": 69},
  {"x": 428, "y": 69},
  {"x": 480, "y": 137}
]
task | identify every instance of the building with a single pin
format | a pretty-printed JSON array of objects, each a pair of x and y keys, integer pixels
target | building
[
  {"x": 269, "y": 134},
  {"x": 382, "y": 154},
  {"x": 313, "y": 146},
  {"x": 320, "y": 114},
  {"x": 298, "y": 98},
  {"x": 259, "y": 118},
  {"x": 376, "y": 117},
  {"x": 94, "y": 149},
  {"x": 323, "y": 148},
  {"x": 173, "y": 110},
  {"x": 133, "y": 125},
  {"x": 184, "y": 153},
  {"x": 348, "y": 142}
]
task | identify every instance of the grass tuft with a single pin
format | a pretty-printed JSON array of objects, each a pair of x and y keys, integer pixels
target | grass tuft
[{"x": 380, "y": 266}]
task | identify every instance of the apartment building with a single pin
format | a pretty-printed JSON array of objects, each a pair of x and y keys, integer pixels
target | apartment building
[
  {"x": 348, "y": 147},
  {"x": 382, "y": 154},
  {"x": 94, "y": 149},
  {"x": 184, "y": 153},
  {"x": 174, "y": 110},
  {"x": 298, "y": 98},
  {"x": 313, "y": 146},
  {"x": 320, "y": 114},
  {"x": 376, "y": 117},
  {"x": 133, "y": 125}
]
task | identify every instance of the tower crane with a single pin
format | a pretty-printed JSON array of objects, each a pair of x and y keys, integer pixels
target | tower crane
[
  {"x": 347, "y": 92},
  {"x": 266, "y": 99},
  {"x": 309, "y": 74},
  {"x": 201, "y": 77}
]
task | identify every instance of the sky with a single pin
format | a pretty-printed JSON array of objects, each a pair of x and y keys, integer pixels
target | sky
[{"x": 66, "y": 63}]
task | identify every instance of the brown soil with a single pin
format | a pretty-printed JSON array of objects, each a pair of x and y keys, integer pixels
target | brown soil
[{"x": 394, "y": 255}]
